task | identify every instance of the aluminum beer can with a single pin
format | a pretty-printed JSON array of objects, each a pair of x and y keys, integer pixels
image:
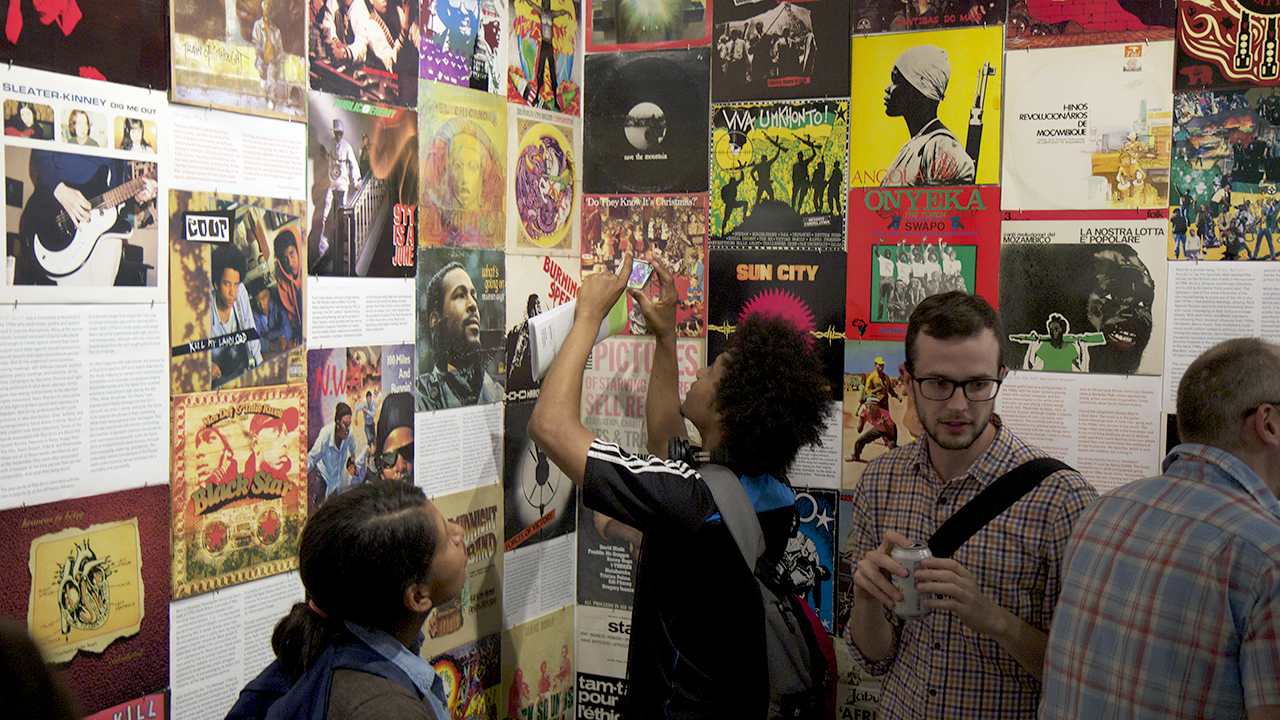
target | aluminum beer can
[{"x": 912, "y": 604}]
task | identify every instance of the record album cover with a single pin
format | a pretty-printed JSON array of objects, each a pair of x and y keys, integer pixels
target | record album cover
[
  {"x": 544, "y": 186},
  {"x": 778, "y": 175},
  {"x": 472, "y": 674},
  {"x": 477, "y": 610},
  {"x": 237, "y": 299},
  {"x": 89, "y": 578},
  {"x": 1084, "y": 296},
  {"x": 252, "y": 61},
  {"x": 120, "y": 41},
  {"x": 930, "y": 108},
  {"x": 905, "y": 245},
  {"x": 365, "y": 50},
  {"x": 795, "y": 285},
  {"x": 238, "y": 485},
  {"x": 464, "y": 163},
  {"x": 363, "y": 201},
  {"x": 1226, "y": 44},
  {"x": 461, "y": 315},
  {"x": 465, "y": 44},
  {"x": 640, "y": 136},
  {"x": 544, "y": 54},
  {"x": 1049, "y": 23},
  {"x": 1088, "y": 128},
  {"x": 641, "y": 25},
  {"x": 775, "y": 49}
]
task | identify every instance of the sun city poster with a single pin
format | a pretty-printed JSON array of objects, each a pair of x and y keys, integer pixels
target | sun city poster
[
  {"x": 1088, "y": 128},
  {"x": 464, "y": 160},
  {"x": 638, "y": 25},
  {"x": 236, "y": 304},
  {"x": 239, "y": 486},
  {"x": 792, "y": 285},
  {"x": 364, "y": 188},
  {"x": 671, "y": 227},
  {"x": 906, "y": 244},
  {"x": 1226, "y": 44},
  {"x": 777, "y": 175},
  {"x": 883, "y": 149},
  {"x": 1084, "y": 296},
  {"x": 544, "y": 186},
  {"x": 90, "y": 577},
  {"x": 544, "y": 55},
  {"x": 253, "y": 60}
]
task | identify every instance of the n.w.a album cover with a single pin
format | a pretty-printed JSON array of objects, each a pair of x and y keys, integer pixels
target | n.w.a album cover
[
  {"x": 472, "y": 674},
  {"x": 940, "y": 94},
  {"x": 1088, "y": 128},
  {"x": 366, "y": 50},
  {"x": 907, "y": 244},
  {"x": 776, "y": 49},
  {"x": 460, "y": 328},
  {"x": 238, "y": 485},
  {"x": 1084, "y": 296},
  {"x": 91, "y": 578},
  {"x": 672, "y": 228},
  {"x": 795, "y": 285},
  {"x": 359, "y": 417},
  {"x": 544, "y": 54},
  {"x": 544, "y": 186},
  {"x": 363, "y": 200},
  {"x": 1226, "y": 44},
  {"x": 641, "y": 137},
  {"x": 253, "y": 60},
  {"x": 778, "y": 175},
  {"x": 464, "y": 161},
  {"x": 1049, "y": 23},
  {"x": 477, "y": 610},
  {"x": 1224, "y": 172},
  {"x": 236, "y": 300}
]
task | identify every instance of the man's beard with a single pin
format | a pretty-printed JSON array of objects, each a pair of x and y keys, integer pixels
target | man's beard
[{"x": 454, "y": 348}]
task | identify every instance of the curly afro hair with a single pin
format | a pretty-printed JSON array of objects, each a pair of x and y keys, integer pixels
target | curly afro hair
[{"x": 773, "y": 397}]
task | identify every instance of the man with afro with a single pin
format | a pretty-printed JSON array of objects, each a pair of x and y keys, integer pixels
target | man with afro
[{"x": 762, "y": 400}]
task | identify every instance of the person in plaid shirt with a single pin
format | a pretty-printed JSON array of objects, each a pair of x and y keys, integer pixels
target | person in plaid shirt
[
  {"x": 1170, "y": 604},
  {"x": 979, "y": 653}
]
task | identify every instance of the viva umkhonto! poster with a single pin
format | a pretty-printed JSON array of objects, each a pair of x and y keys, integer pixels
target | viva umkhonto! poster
[
  {"x": 906, "y": 244},
  {"x": 239, "y": 486}
]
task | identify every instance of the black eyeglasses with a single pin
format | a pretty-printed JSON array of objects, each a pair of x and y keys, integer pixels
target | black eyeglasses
[
  {"x": 405, "y": 451},
  {"x": 975, "y": 389}
]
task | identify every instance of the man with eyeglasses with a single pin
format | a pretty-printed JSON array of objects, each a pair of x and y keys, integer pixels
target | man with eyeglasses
[
  {"x": 979, "y": 652},
  {"x": 332, "y": 455},
  {"x": 1170, "y": 604}
]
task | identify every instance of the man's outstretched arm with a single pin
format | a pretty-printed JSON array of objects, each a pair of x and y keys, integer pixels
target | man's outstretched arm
[
  {"x": 556, "y": 425},
  {"x": 663, "y": 419}
]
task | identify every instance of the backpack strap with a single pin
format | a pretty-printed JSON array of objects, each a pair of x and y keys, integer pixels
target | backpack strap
[
  {"x": 993, "y": 500},
  {"x": 735, "y": 507}
]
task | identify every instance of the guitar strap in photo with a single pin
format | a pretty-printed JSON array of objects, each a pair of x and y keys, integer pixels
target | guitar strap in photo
[{"x": 988, "y": 504}]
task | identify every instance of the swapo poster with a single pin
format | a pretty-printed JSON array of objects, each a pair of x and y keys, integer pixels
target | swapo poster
[
  {"x": 778, "y": 175},
  {"x": 907, "y": 244},
  {"x": 238, "y": 486},
  {"x": 940, "y": 94},
  {"x": 1084, "y": 296},
  {"x": 237, "y": 295},
  {"x": 792, "y": 285},
  {"x": 1088, "y": 128}
]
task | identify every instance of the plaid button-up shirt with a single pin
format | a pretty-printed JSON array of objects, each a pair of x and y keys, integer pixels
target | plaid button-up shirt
[
  {"x": 940, "y": 667},
  {"x": 1171, "y": 597}
]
